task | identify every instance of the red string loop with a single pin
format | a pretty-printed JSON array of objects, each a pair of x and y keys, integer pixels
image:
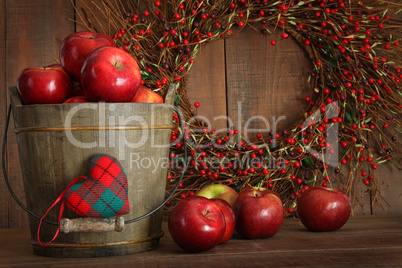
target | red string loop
[{"x": 63, "y": 203}]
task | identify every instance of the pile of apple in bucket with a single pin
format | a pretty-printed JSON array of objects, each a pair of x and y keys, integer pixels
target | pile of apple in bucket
[{"x": 93, "y": 69}]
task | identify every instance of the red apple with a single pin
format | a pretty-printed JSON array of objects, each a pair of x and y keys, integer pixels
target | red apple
[
  {"x": 77, "y": 99},
  {"x": 221, "y": 191},
  {"x": 259, "y": 213},
  {"x": 43, "y": 85},
  {"x": 55, "y": 65},
  {"x": 110, "y": 74},
  {"x": 76, "y": 47},
  {"x": 265, "y": 190},
  {"x": 230, "y": 219},
  {"x": 196, "y": 224},
  {"x": 323, "y": 208},
  {"x": 145, "y": 95}
]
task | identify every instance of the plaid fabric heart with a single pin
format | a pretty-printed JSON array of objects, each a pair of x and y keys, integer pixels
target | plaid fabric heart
[{"x": 104, "y": 193}]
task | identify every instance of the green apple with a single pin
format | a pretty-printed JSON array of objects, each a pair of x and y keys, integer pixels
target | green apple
[{"x": 221, "y": 191}]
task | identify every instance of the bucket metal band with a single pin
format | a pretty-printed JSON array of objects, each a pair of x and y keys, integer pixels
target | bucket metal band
[
  {"x": 103, "y": 244},
  {"x": 41, "y": 129}
]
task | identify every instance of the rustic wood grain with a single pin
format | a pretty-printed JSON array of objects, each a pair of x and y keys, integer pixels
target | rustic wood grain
[
  {"x": 3, "y": 109},
  {"x": 362, "y": 200},
  {"x": 207, "y": 84},
  {"x": 364, "y": 241},
  {"x": 265, "y": 80},
  {"x": 89, "y": 16},
  {"x": 391, "y": 195},
  {"x": 34, "y": 31}
]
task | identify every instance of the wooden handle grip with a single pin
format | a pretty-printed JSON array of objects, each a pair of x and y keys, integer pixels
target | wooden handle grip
[{"x": 91, "y": 225}]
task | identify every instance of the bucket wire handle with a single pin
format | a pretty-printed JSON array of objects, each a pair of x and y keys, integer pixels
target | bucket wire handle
[
  {"x": 178, "y": 182},
  {"x": 55, "y": 223},
  {"x": 3, "y": 154}
]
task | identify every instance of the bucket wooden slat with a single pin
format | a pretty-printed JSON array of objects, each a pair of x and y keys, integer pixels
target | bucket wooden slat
[{"x": 51, "y": 158}]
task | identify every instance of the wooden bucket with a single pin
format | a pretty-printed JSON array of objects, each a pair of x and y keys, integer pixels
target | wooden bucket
[{"x": 55, "y": 144}]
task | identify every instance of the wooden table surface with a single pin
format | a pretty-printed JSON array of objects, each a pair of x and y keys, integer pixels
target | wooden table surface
[{"x": 365, "y": 241}]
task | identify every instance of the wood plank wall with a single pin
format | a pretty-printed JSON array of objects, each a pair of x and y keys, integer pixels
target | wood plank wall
[
  {"x": 3, "y": 105},
  {"x": 31, "y": 35},
  {"x": 243, "y": 70}
]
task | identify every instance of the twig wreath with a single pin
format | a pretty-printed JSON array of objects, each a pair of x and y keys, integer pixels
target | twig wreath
[{"x": 354, "y": 84}]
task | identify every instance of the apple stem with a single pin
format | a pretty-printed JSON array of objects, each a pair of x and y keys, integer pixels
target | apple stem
[
  {"x": 117, "y": 65},
  {"x": 207, "y": 212}
]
